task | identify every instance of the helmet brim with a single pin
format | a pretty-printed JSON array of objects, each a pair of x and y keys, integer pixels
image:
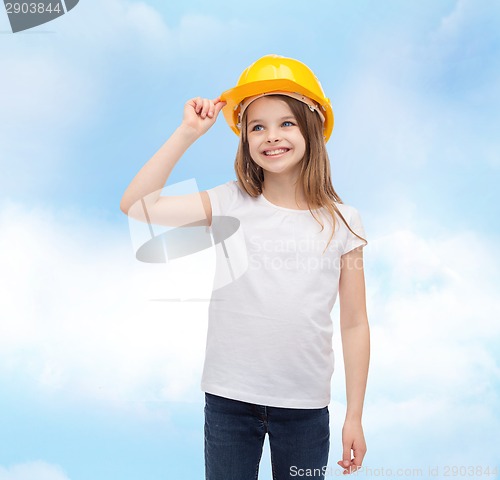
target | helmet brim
[{"x": 234, "y": 96}]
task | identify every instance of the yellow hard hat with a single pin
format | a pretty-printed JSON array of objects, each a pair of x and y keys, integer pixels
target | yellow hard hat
[{"x": 273, "y": 74}]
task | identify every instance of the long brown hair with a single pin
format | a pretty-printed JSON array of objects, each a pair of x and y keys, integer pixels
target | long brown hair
[{"x": 315, "y": 168}]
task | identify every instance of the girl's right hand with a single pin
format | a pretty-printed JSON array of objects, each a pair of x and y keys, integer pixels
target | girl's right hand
[{"x": 201, "y": 113}]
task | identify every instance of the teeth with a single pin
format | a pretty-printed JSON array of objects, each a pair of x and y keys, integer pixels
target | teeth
[{"x": 275, "y": 152}]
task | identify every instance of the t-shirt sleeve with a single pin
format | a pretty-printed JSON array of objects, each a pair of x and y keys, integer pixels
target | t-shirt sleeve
[
  {"x": 356, "y": 224},
  {"x": 222, "y": 197}
]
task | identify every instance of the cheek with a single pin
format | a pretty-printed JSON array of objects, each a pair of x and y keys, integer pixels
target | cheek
[
  {"x": 252, "y": 145},
  {"x": 301, "y": 143},
  {"x": 252, "y": 150}
]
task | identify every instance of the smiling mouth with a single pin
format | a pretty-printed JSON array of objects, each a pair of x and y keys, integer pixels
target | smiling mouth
[{"x": 275, "y": 152}]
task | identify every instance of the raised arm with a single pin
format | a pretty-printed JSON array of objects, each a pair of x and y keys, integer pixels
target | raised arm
[
  {"x": 356, "y": 348},
  {"x": 142, "y": 199}
]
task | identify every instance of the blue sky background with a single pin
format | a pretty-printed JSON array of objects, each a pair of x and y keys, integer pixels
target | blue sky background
[{"x": 97, "y": 380}]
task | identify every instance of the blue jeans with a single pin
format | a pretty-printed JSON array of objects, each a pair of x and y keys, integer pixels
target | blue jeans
[{"x": 299, "y": 439}]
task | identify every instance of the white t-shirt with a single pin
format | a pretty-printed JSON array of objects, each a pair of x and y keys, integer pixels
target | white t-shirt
[{"x": 269, "y": 338}]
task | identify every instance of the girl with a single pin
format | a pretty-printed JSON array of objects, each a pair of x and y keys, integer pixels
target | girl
[{"x": 269, "y": 358}]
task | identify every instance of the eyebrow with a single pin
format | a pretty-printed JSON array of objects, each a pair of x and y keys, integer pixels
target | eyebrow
[{"x": 288, "y": 117}]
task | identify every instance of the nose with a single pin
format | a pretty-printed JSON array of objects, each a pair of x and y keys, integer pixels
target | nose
[{"x": 273, "y": 136}]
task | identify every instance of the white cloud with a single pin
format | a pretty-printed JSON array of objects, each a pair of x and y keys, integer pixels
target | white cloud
[
  {"x": 77, "y": 323},
  {"x": 46, "y": 101},
  {"x": 76, "y": 304},
  {"x": 77, "y": 315},
  {"x": 469, "y": 16},
  {"x": 382, "y": 123},
  {"x": 428, "y": 430},
  {"x": 435, "y": 366},
  {"x": 56, "y": 84},
  {"x": 427, "y": 100},
  {"x": 32, "y": 471},
  {"x": 463, "y": 50},
  {"x": 115, "y": 26},
  {"x": 141, "y": 33}
]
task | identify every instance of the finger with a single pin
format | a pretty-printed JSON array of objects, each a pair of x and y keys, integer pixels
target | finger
[
  {"x": 358, "y": 459},
  {"x": 359, "y": 455},
  {"x": 202, "y": 104},
  {"x": 191, "y": 103},
  {"x": 199, "y": 106},
  {"x": 198, "y": 101},
  {"x": 211, "y": 109},
  {"x": 347, "y": 468},
  {"x": 354, "y": 467},
  {"x": 218, "y": 107},
  {"x": 340, "y": 463},
  {"x": 351, "y": 468},
  {"x": 206, "y": 107},
  {"x": 346, "y": 455}
]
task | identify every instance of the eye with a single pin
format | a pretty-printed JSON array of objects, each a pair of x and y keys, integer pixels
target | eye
[
  {"x": 257, "y": 128},
  {"x": 288, "y": 124}
]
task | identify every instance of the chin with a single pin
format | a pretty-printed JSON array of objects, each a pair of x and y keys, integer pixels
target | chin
[{"x": 276, "y": 169}]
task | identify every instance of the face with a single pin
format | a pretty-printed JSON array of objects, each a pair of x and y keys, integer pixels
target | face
[{"x": 274, "y": 138}]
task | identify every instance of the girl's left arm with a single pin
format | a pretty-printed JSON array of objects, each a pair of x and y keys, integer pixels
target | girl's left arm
[{"x": 356, "y": 348}]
